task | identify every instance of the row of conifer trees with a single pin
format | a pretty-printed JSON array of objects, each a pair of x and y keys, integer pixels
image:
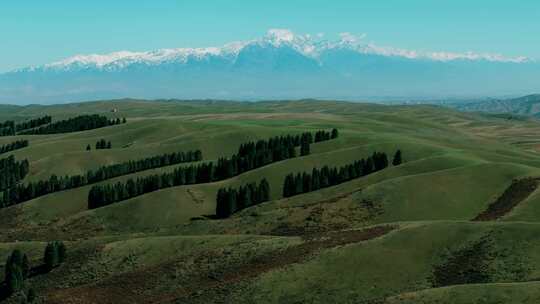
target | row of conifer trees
[
  {"x": 299, "y": 183},
  {"x": 33, "y": 123},
  {"x": 21, "y": 193},
  {"x": 250, "y": 156},
  {"x": 230, "y": 200},
  {"x": 102, "y": 144},
  {"x": 19, "y": 144},
  {"x": 79, "y": 123},
  {"x": 9, "y": 128},
  {"x": 12, "y": 172}
]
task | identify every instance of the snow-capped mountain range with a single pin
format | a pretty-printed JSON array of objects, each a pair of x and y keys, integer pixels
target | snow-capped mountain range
[{"x": 281, "y": 64}]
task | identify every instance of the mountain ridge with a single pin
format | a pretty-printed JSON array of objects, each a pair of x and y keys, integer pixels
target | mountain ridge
[{"x": 281, "y": 65}]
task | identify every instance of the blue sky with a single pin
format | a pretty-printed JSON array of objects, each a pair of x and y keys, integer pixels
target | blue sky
[{"x": 38, "y": 32}]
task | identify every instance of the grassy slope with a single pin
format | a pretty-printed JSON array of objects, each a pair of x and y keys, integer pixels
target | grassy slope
[
  {"x": 456, "y": 164},
  {"x": 496, "y": 293},
  {"x": 396, "y": 263}
]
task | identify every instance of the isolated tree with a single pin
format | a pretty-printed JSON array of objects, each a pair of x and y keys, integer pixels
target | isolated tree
[
  {"x": 14, "y": 279},
  {"x": 109, "y": 145},
  {"x": 397, "y": 158},
  {"x": 14, "y": 276},
  {"x": 124, "y": 120},
  {"x": 50, "y": 256},
  {"x": 88, "y": 147}
]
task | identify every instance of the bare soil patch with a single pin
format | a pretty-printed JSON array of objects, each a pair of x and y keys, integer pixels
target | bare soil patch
[{"x": 518, "y": 191}]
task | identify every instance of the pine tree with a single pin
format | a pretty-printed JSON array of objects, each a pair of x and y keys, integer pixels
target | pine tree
[
  {"x": 288, "y": 186},
  {"x": 88, "y": 148},
  {"x": 264, "y": 190},
  {"x": 220, "y": 203},
  {"x": 397, "y": 158},
  {"x": 14, "y": 274},
  {"x": 14, "y": 280},
  {"x": 298, "y": 184},
  {"x": 368, "y": 166},
  {"x": 315, "y": 179},
  {"x": 304, "y": 148},
  {"x": 334, "y": 133},
  {"x": 50, "y": 257}
]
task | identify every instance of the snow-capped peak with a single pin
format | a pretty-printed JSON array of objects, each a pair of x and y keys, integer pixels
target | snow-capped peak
[
  {"x": 123, "y": 58},
  {"x": 279, "y": 36},
  {"x": 308, "y": 45}
]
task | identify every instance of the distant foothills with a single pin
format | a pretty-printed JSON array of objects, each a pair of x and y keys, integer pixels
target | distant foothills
[
  {"x": 280, "y": 65},
  {"x": 511, "y": 108}
]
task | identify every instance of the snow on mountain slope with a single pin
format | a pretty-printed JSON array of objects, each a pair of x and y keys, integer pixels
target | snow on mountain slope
[
  {"x": 275, "y": 38},
  {"x": 281, "y": 64}
]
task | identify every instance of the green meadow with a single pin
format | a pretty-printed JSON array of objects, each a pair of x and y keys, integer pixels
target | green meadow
[{"x": 166, "y": 247}]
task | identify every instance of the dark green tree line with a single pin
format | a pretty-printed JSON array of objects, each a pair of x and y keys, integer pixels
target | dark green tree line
[
  {"x": 229, "y": 200},
  {"x": 7, "y": 128},
  {"x": 325, "y": 177},
  {"x": 323, "y": 135},
  {"x": 103, "y": 144},
  {"x": 21, "y": 193},
  {"x": 79, "y": 123},
  {"x": 19, "y": 144},
  {"x": 250, "y": 156},
  {"x": 33, "y": 123},
  {"x": 12, "y": 172}
]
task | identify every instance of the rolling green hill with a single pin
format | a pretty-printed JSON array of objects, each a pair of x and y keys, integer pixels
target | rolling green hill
[{"x": 394, "y": 236}]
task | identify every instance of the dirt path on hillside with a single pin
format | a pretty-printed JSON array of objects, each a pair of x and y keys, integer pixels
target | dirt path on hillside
[
  {"x": 142, "y": 286},
  {"x": 518, "y": 191}
]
